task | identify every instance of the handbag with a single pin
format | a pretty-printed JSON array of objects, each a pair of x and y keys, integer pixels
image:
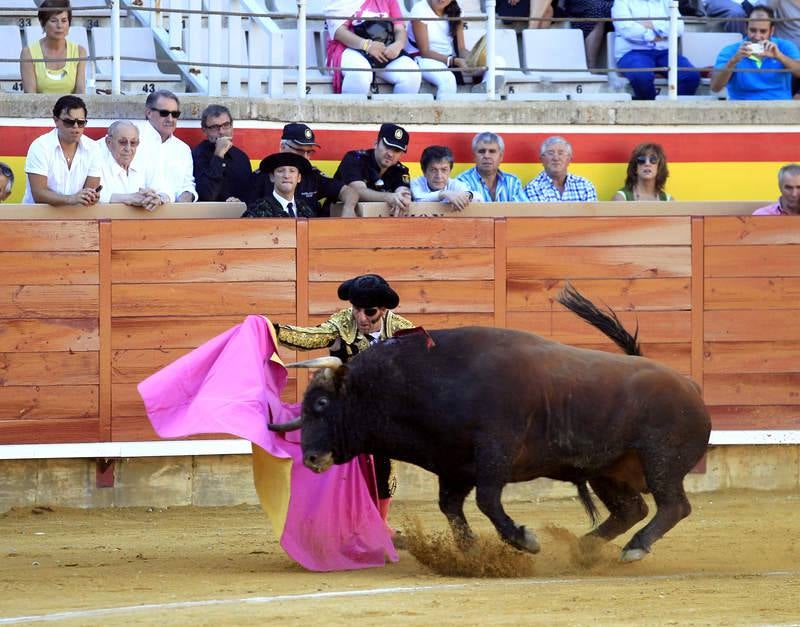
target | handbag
[
  {"x": 375, "y": 30},
  {"x": 477, "y": 56}
]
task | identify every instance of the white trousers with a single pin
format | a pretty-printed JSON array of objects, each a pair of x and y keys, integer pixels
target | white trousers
[
  {"x": 445, "y": 82},
  {"x": 358, "y": 82}
]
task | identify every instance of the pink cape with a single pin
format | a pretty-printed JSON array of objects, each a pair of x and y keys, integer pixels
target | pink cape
[{"x": 232, "y": 384}]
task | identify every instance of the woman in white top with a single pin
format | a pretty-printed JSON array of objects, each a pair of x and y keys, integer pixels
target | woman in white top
[
  {"x": 371, "y": 38},
  {"x": 436, "y": 45}
]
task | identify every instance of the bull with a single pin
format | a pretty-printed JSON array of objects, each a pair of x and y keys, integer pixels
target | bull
[{"x": 482, "y": 407}]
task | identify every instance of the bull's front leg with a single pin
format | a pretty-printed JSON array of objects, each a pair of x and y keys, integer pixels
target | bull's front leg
[
  {"x": 451, "y": 503},
  {"x": 488, "y": 500}
]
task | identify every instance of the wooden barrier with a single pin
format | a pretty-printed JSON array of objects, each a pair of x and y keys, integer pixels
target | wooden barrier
[{"x": 91, "y": 307}]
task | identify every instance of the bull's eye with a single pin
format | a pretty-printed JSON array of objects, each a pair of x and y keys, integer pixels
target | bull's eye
[{"x": 321, "y": 403}]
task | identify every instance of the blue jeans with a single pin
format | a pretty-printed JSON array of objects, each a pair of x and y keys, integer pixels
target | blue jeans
[{"x": 643, "y": 82}]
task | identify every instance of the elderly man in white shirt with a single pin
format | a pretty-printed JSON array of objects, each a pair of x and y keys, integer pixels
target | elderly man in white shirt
[
  {"x": 62, "y": 165},
  {"x": 127, "y": 180},
  {"x": 157, "y": 143},
  {"x": 435, "y": 184}
]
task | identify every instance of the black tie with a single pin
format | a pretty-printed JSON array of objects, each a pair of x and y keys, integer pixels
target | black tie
[{"x": 290, "y": 210}]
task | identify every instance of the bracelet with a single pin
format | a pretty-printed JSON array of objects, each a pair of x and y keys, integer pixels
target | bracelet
[
  {"x": 450, "y": 61},
  {"x": 365, "y": 46}
]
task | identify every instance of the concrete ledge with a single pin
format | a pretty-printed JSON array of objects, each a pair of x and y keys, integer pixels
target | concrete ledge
[
  {"x": 223, "y": 480},
  {"x": 489, "y": 114}
]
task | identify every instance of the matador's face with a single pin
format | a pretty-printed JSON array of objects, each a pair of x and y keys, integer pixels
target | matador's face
[{"x": 368, "y": 319}]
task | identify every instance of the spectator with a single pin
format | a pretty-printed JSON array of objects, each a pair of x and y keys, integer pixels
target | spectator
[
  {"x": 373, "y": 37},
  {"x": 760, "y": 51},
  {"x": 315, "y": 186},
  {"x": 221, "y": 170},
  {"x": 737, "y": 10},
  {"x": 643, "y": 43},
  {"x": 63, "y": 166},
  {"x": 285, "y": 171},
  {"x": 157, "y": 142},
  {"x": 435, "y": 184},
  {"x": 6, "y": 181},
  {"x": 486, "y": 181},
  {"x": 437, "y": 45},
  {"x": 377, "y": 173},
  {"x": 789, "y": 202},
  {"x": 43, "y": 63},
  {"x": 538, "y": 12},
  {"x": 555, "y": 183},
  {"x": 788, "y": 10},
  {"x": 647, "y": 175},
  {"x": 594, "y": 33},
  {"x": 125, "y": 179}
]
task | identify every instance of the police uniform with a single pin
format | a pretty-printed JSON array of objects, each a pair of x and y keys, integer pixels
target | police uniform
[
  {"x": 341, "y": 335},
  {"x": 360, "y": 165}
]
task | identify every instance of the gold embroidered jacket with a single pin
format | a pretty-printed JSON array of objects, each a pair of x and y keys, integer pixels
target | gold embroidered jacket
[{"x": 339, "y": 333}]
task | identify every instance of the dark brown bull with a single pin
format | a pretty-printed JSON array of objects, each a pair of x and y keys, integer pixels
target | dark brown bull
[{"x": 483, "y": 407}]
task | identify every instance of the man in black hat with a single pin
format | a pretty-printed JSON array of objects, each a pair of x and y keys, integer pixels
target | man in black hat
[
  {"x": 315, "y": 186},
  {"x": 285, "y": 171},
  {"x": 377, "y": 173},
  {"x": 369, "y": 319}
]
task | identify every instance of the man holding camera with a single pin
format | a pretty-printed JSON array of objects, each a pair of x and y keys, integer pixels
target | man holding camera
[{"x": 750, "y": 70}]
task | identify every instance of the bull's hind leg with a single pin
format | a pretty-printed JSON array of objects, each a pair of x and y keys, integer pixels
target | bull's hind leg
[
  {"x": 451, "y": 503},
  {"x": 672, "y": 506},
  {"x": 625, "y": 505},
  {"x": 487, "y": 497}
]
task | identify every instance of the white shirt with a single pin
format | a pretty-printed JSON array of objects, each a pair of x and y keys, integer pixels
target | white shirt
[
  {"x": 439, "y": 39},
  {"x": 45, "y": 157},
  {"x": 141, "y": 174},
  {"x": 631, "y": 35},
  {"x": 421, "y": 191},
  {"x": 283, "y": 202},
  {"x": 174, "y": 159}
]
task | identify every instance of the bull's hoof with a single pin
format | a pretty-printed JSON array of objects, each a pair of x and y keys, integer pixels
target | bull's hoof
[
  {"x": 530, "y": 542},
  {"x": 632, "y": 555}
]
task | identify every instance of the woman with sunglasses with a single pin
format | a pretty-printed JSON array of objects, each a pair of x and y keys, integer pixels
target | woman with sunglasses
[
  {"x": 647, "y": 175},
  {"x": 44, "y": 63},
  {"x": 368, "y": 320}
]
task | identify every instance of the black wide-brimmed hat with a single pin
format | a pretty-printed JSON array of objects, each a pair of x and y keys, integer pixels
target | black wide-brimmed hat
[
  {"x": 270, "y": 163},
  {"x": 369, "y": 290}
]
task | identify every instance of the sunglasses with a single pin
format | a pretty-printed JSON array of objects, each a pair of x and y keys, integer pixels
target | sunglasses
[
  {"x": 642, "y": 159},
  {"x": 69, "y": 122},
  {"x": 369, "y": 312},
  {"x": 166, "y": 112},
  {"x": 6, "y": 171}
]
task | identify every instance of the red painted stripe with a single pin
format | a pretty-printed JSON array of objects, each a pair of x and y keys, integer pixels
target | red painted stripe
[{"x": 610, "y": 147}]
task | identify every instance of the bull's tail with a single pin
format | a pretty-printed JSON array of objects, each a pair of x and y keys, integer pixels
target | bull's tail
[
  {"x": 587, "y": 501},
  {"x": 608, "y": 323}
]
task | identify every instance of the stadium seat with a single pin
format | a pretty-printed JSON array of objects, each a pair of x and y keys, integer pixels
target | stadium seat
[
  {"x": 702, "y": 48},
  {"x": 557, "y": 55},
  {"x": 22, "y": 5},
  {"x": 529, "y": 96},
  {"x": 314, "y": 76},
  {"x": 601, "y": 96},
  {"x": 10, "y": 48},
  {"x": 197, "y": 51},
  {"x": 135, "y": 42},
  {"x": 313, "y": 7},
  {"x": 505, "y": 46}
]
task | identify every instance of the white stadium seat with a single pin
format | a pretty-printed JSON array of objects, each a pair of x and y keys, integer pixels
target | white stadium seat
[
  {"x": 505, "y": 46},
  {"x": 702, "y": 48},
  {"x": 557, "y": 55},
  {"x": 10, "y": 48},
  {"x": 197, "y": 52},
  {"x": 134, "y": 42},
  {"x": 314, "y": 76}
]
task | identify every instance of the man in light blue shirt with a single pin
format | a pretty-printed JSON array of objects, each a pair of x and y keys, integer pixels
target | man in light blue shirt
[
  {"x": 486, "y": 181},
  {"x": 642, "y": 43},
  {"x": 435, "y": 184},
  {"x": 762, "y": 58}
]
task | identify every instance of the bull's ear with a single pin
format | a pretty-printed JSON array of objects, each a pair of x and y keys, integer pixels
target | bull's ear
[{"x": 340, "y": 377}]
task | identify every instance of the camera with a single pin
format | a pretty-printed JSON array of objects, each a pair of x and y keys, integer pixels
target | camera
[{"x": 756, "y": 47}]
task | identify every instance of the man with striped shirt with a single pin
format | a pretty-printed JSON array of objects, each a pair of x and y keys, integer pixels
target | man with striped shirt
[{"x": 486, "y": 181}]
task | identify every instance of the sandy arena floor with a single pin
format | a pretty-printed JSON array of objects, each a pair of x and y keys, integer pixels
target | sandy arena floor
[{"x": 734, "y": 561}]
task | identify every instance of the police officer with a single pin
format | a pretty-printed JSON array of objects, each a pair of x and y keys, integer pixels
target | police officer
[
  {"x": 367, "y": 320},
  {"x": 377, "y": 173},
  {"x": 315, "y": 187}
]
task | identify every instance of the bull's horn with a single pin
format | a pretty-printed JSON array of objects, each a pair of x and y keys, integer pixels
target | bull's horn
[
  {"x": 283, "y": 427},
  {"x": 319, "y": 362}
]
